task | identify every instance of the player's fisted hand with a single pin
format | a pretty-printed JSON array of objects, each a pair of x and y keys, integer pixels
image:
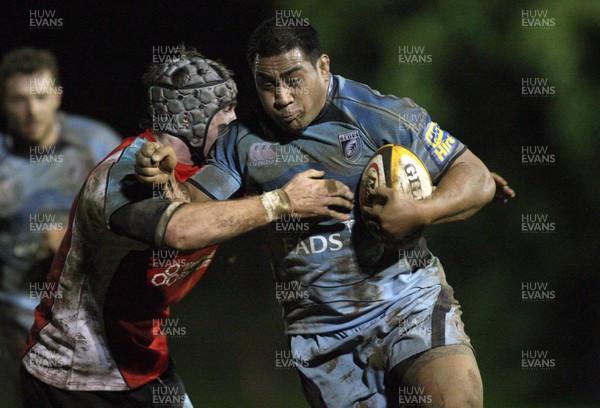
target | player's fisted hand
[
  {"x": 503, "y": 190},
  {"x": 312, "y": 196},
  {"x": 154, "y": 163},
  {"x": 396, "y": 215}
]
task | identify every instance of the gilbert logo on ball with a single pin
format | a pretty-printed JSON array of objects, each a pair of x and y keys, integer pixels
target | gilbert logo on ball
[{"x": 398, "y": 168}]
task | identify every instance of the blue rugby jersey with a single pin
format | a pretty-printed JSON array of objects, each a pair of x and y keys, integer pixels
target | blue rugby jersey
[
  {"x": 331, "y": 275},
  {"x": 38, "y": 183}
]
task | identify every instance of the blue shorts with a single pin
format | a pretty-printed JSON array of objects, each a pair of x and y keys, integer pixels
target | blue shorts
[{"x": 345, "y": 368}]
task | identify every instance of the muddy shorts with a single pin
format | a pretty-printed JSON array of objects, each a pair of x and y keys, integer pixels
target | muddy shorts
[{"x": 348, "y": 368}]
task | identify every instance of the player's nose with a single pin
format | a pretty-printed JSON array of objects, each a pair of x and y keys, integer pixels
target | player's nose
[{"x": 283, "y": 97}]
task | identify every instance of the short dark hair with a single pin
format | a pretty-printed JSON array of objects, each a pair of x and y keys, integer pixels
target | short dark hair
[
  {"x": 26, "y": 60},
  {"x": 270, "y": 39}
]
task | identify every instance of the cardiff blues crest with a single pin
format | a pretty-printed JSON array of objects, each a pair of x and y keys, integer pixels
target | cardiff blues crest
[{"x": 351, "y": 145}]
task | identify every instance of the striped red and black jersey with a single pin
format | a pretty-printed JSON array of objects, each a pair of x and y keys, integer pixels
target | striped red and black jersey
[{"x": 98, "y": 326}]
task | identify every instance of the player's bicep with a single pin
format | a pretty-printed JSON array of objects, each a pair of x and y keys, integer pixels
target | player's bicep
[{"x": 467, "y": 156}]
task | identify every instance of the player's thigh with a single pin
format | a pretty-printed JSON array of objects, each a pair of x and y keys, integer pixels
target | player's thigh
[{"x": 445, "y": 376}]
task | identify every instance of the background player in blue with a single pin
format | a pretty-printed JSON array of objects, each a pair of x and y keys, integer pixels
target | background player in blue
[
  {"x": 373, "y": 326},
  {"x": 45, "y": 155}
]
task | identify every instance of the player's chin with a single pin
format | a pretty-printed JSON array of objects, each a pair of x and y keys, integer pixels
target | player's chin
[{"x": 293, "y": 127}]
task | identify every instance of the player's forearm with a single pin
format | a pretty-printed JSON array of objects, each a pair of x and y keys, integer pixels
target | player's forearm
[
  {"x": 465, "y": 189},
  {"x": 197, "y": 225}
]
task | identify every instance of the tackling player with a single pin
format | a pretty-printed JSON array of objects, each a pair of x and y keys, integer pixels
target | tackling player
[{"x": 97, "y": 339}]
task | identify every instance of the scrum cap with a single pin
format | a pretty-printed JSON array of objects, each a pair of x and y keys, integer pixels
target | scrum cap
[{"x": 190, "y": 91}]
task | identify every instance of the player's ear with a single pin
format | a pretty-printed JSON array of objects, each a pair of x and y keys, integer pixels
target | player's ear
[
  {"x": 323, "y": 66},
  {"x": 58, "y": 101},
  {"x": 56, "y": 96}
]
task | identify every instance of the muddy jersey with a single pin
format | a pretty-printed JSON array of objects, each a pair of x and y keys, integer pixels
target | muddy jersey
[
  {"x": 331, "y": 274},
  {"x": 101, "y": 322}
]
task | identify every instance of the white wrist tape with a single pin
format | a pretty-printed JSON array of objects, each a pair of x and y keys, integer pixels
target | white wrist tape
[{"x": 276, "y": 203}]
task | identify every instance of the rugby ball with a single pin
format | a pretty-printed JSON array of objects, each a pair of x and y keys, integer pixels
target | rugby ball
[{"x": 398, "y": 168}]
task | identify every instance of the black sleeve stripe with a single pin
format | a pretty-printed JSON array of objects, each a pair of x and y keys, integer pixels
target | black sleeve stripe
[{"x": 139, "y": 220}]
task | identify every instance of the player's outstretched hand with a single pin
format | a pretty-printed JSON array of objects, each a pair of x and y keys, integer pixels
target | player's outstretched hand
[
  {"x": 311, "y": 196},
  {"x": 397, "y": 216},
  {"x": 503, "y": 190},
  {"x": 154, "y": 163}
]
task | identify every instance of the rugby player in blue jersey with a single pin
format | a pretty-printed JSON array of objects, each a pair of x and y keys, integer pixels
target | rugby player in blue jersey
[
  {"x": 45, "y": 155},
  {"x": 378, "y": 327}
]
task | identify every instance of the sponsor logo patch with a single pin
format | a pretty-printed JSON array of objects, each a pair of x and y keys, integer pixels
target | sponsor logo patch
[
  {"x": 351, "y": 145},
  {"x": 270, "y": 154},
  {"x": 439, "y": 143},
  {"x": 261, "y": 152}
]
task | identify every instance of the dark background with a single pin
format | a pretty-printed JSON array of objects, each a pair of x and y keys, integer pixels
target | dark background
[{"x": 480, "y": 53}]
